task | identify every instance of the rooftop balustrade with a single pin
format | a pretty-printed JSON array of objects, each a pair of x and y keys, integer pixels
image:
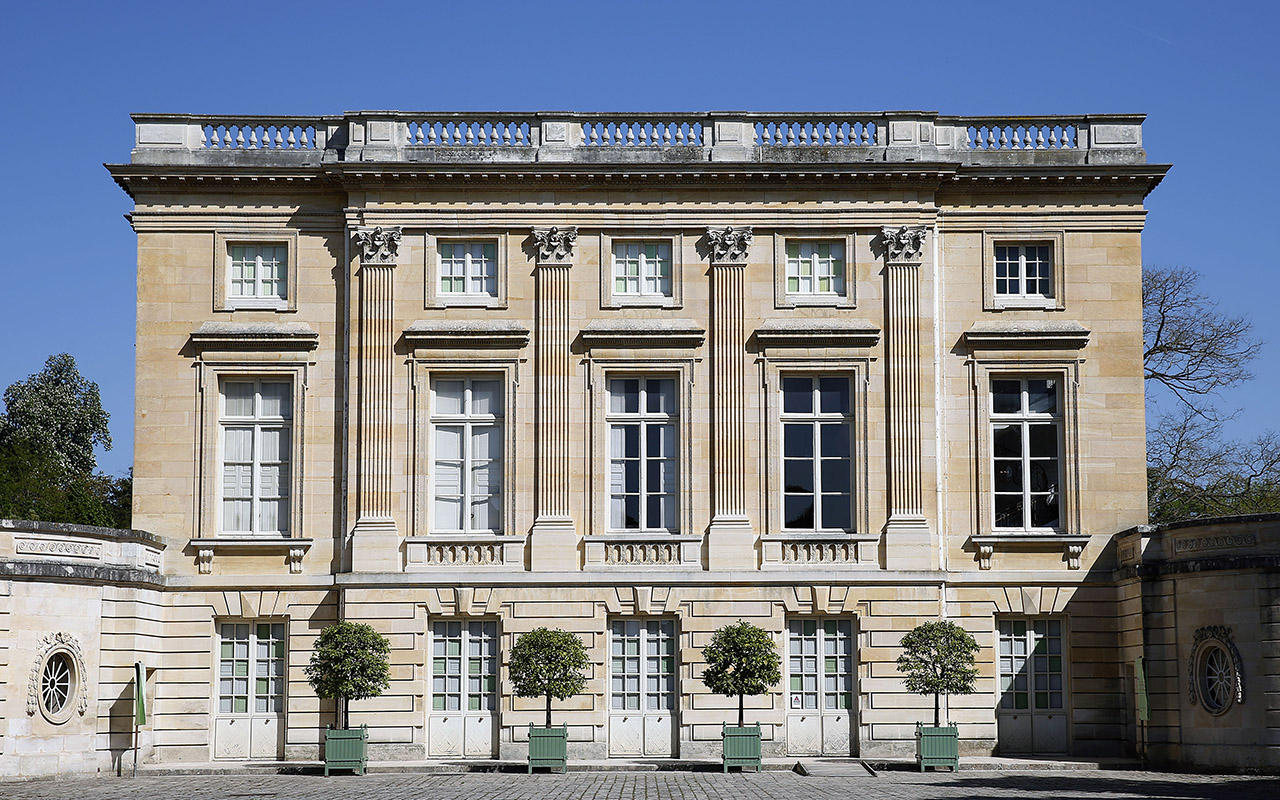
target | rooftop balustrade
[{"x": 466, "y": 138}]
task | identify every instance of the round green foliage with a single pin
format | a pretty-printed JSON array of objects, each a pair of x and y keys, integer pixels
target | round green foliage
[
  {"x": 742, "y": 659},
  {"x": 548, "y": 663},
  {"x": 937, "y": 658},
  {"x": 351, "y": 661}
]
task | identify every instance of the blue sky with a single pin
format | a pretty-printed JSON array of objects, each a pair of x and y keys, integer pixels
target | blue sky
[{"x": 1206, "y": 74}]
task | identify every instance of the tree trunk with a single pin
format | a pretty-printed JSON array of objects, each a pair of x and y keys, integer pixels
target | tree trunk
[
  {"x": 548, "y": 709},
  {"x": 740, "y": 722},
  {"x": 343, "y": 712},
  {"x": 937, "y": 723}
]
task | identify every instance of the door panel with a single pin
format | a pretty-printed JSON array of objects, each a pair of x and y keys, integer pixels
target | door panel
[
  {"x": 837, "y": 735},
  {"x": 230, "y": 738},
  {"x": 444, "y": 735},
  {"x": 658, "y": 735},
  {"x": 264, "y": 738},
  {"x": 478, "y": 736},
  {"x": 804, "y": 734},
  {"x": 626, "y": 735}
]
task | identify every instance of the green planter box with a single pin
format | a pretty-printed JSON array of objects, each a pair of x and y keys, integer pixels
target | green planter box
[
  {"x": 741, "y": 747},
  {"x": 937, "y": 747},
  {"x": 345, "y": 748},
  {"x": 549, "y": 747}
]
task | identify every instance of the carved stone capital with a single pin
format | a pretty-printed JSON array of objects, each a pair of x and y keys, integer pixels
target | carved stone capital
[
  {"x": 903, "y": 245},
  {"x": 729, "y": 245},
  {"x": 378, "y": 245},
  {"x": 555, "y": 245}
]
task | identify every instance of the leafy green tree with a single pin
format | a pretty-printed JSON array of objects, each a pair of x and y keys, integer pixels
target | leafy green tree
[
  {"x": 548, "y": 663},
  {"x": 50, "y": 426},
  {"x": 937, "y": 658},
  {"x": 742, "y": 659},
  {"x": 351, "y": 661}
]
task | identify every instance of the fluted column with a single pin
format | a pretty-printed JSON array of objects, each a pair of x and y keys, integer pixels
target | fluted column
[
  {"x": 375, "y": 544},
  {"x": 730, "y": 539},
  {"x": 907, "y": 539},
  {"x": 553, "y": 541}
]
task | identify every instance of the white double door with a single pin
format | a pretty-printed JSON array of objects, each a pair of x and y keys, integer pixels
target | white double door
[
  {"x": 820, "y": 687},
  {"x": 1032, "y": 714},
  {"x": 249, "y": 719},
  {"x": 642, "y": 696},
  {"x": 463, "y": 720}
]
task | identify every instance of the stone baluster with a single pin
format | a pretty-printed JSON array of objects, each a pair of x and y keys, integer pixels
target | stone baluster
[
  {"x": 730, "y": 540},
  {"x": 554, "y": 541},
  {"x": 376, "y": 542},
  {"x": 907, "y": 537}
]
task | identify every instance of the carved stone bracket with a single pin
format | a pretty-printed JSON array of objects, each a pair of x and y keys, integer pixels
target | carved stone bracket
[
  {"x": 49, "y": 644},
  {"x": 555, "y": 244},
  {"x": 904, "y": 245},
  {"x": 1214, "y": 635},
  {"x": 378, "y": 245},
  {"x": 985, "y": 551},
  {"x": 729, "y": 245}
]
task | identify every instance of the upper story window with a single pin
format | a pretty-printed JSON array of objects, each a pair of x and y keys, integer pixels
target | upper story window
[
  {"x": 1026, "y": 447},
  {"x": 255, "y": 423},
  {"x": 466, "y": 474},
  {"x": 1024, "y": 270},
  {"x": 642, "y": 417},
  {"x": 641, "y": 269},
  {"x": 468, "y": 268},
  {"x": 257, "y": 275},
  {"x": 817, "y": 453},
  {"x": 815, "y": 268}
]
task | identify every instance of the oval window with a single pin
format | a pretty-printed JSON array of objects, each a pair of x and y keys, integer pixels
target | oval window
[
  {"x": 1217, "y": 677},
  {"x": 58, "y": 684}
]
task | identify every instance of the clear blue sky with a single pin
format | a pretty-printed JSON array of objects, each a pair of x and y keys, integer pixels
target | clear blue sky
[{"x": 1206, "y": 74}]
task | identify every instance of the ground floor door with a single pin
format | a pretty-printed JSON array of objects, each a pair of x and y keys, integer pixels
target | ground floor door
[
  {"x": 642, "y": 697},
  {"x": 1032, "y": 715},
  {"x": 463, "y": 720},
  {"x": 820, "y": 687},
  {"x": 249, "y": 723}
]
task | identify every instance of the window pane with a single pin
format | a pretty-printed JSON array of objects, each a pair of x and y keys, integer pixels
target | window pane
[
  {"x": 660, "y": 396},
  {"x": 1008, "y": 511},
  {"x": 486, "y": 442},
  {"x": 833, "y": 395},
  {"x": 1044, "y": 511},
  {"x": 238, "y": 398},
  {"x": 1006, "y": 441},
  {"x": 798, "y": 511},
  {"x": 1042, "y": 396},
  {"x": 486, "y": 397},
  {"x": 798, "y": 475},
  {"x": 835, "y": 440},
  {"x": 449, "y": 396},
  {"x": 797, "y": 440},
  {"x": 1044, "y": 441},
  {"x": 624, "y": 396},
  {"x": 1006, "y": 397},
  {"x": 1008, "y": 476},
  {"x": 448, "y": 442},
  {"x": 835, "y": 475},
  {"x": 837, "y": 511},
  {"x": 797, "y": 395},
  {"x": 275, "y": 399}
]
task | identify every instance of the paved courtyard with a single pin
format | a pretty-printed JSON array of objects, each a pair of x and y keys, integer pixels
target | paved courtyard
[{"x": 1090, "y": 784}]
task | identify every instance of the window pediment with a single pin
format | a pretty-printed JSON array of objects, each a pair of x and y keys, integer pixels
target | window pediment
[
  {"x": 817, "y": 333},
  {"x": 642, "y": 333},
  {"x": 466, "y": 335},
  {"x": 274, "y": 336},
  {"x": 1027, "y": 335}
]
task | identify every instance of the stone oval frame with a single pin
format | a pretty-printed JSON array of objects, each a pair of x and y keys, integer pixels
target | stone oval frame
[
  {"x": 65, "y": 649},
  {"x": 1215, "y": 659}
]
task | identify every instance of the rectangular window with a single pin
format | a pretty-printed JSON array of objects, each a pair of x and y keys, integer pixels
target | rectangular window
[
  {"x": 1026, "y": 447},
  {"x": 642, "y": 269},
  {"x": 642, "y": 417},
  {"x": 820, "y": 664},
  {"x": 257, "y": 271},
  {"x": 251, "y": 667},
  {"x": 464, "y": 666},
  {"x": 469, "y": 268},
  {"x": 643, "y": 665},
  {"x": 817, "y": 453},
  {"x": 1024, "y": 271},
  {"x": 1031, "y": 666},
  {"x": 815, "y": 268},
  {"x": 466, "y": 425},
  {"x": 255, "y": 427}
]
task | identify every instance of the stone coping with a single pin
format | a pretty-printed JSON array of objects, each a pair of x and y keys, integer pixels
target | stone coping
[
  {"x": 1066, "y": 334},
  {"x": 239, "y": 335},
  {"x": 493, "y": 334},
  {"x": 642, "y": 333},
  {"x": 817, "y": 333},
  {"x": 87, "y": 531}
]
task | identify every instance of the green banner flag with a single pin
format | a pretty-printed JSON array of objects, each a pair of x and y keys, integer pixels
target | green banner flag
[
  {"x": 139, "y": 693},
  {"x": 1140, "y": 689}
]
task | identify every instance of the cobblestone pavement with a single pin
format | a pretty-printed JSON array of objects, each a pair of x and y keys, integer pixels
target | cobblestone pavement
[{"x": 1092, "y": 785}]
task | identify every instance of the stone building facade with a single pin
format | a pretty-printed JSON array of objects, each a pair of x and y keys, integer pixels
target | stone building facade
[{"x": 635, "y": 376}]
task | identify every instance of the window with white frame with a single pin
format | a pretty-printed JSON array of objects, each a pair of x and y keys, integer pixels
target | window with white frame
[
  {"x": 1026, "y": 448},
  {"x": 1024, "y": 271},
  {"x": 466, "y": 424},
  {"x": 815, "y": 268},
  {"x": 468, "y": 268},
  {"x": 817, "y": 453},
  {"x": 642, "y": 269},
  {"x": 251, "y": 667},
  {"x": 257, "y": 273},
  {"x": 464, "y": 665},
  {"x": 642, "y": 417},
  {"x": 255, "y": 427}
]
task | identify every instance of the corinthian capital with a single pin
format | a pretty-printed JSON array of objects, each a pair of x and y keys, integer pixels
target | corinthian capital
[
  {"x": 903, "y": 245},
  {"x": 555, "y": 244},
  {"x": 729, "y": 245},
  {"x": 378, "y": 245}
]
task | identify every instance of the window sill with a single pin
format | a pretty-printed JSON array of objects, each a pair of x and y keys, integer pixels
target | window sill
[
  {"x": 205, "y": 549},
  {"x": 827, "y": 300},
  {"x": 1072, "y": 545},
  {"x": 642, "y": 301},
  {"x": 1027, "y": 303},
  {"x": 468, "y": 300},
  {"x": 246, "y": 304}
]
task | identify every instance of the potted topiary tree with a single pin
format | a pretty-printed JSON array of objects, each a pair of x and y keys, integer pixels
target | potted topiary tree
[
  {"x": 742, "y": 659},
  {"x": 350, "y": 662},
  {"x": 548, "y": 663},
  {"x": 937, "y": 658}
]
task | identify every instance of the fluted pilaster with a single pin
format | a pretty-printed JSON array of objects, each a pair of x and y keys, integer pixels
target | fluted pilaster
[{"x": 907, "y": 531}]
